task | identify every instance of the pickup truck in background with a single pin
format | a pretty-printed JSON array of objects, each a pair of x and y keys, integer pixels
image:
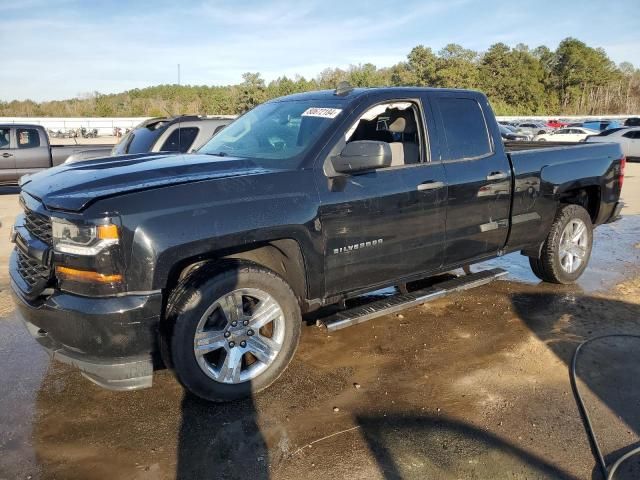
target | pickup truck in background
[
  {"x": 206, "y": 262},
  {"x": 25, "y": 149},
  {"x": 165, "y": 134}
]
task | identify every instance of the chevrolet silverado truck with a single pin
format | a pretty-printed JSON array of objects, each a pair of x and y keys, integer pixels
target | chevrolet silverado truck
[
  {"x": 205, "y": 263},
  {"x": 25, "y": 149}
]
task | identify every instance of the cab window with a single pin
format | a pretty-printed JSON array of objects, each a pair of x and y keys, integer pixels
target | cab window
[
  {"x": 465, "y": 128},
  {"x": 180, "y": 140},
  {"x": 395, "y": 123},
  {"x": 27, "y": 137},
  {"x": 5, "y": 135}
]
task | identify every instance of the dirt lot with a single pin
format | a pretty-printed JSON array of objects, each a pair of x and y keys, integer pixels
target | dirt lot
[{"x": 471, "y": 386}]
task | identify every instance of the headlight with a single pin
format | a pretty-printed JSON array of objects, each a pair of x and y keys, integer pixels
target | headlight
[
  {"x": 87, "y": 257},
  {"x": 82, "y": 239}
]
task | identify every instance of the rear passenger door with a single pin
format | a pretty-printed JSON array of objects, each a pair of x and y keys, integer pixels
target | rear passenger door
[
  {"x": 32, "y": 151},
  {"x": 478, "y": 176}
]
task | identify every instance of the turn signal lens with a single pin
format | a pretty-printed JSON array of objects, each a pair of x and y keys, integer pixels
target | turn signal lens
[
  {"x": 107, "y": 232},
  {"x": 66, "y": 273},
  {"x": 623, "y": 164}
]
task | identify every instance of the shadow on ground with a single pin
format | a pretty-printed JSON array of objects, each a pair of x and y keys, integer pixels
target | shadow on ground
[
  {"x": 608, "y": 370},
  {"x": 220, "y": 441},
  {"x": 437, "y": 447}
]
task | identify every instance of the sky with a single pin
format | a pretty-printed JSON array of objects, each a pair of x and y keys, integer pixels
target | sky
[{"x": 57, "y": 49}]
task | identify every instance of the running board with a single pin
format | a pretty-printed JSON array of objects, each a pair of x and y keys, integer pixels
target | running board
[{"x": 395, "y": 303}]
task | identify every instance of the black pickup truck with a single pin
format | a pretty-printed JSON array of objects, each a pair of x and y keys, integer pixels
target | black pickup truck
[{"x": 206, "y": 262}]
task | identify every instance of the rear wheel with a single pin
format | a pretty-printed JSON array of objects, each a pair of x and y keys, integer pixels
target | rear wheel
[
  {"x": 234, "y": 331},
  {"x": 567, "y": 249}
]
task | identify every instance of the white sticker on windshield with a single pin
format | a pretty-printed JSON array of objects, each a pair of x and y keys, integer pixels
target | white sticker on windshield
[{"x": 322, "y": 112}]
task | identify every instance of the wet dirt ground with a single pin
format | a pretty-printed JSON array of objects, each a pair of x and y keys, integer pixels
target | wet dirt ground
[{"x": 474, "y": 385}]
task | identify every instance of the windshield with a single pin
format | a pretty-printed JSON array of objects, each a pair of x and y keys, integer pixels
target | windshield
[
  {"x": 275, "y": 131},
  {"x": 140, "y": 139}
]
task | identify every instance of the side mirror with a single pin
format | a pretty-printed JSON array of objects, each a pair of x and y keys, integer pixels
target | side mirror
[{"x": 362, "y": 155}]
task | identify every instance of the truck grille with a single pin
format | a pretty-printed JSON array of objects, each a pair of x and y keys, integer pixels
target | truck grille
[
  {"x": 38, "y": 225},
  {"x": 33, "y": 272}
]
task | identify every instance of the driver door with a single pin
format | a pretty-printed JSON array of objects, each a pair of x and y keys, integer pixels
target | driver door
[
  {"x": 384, "y": 224},
  {"x": 7, "y": 157}
]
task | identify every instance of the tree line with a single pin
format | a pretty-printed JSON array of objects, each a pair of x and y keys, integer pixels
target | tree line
[{"x": 575, "y": 79}]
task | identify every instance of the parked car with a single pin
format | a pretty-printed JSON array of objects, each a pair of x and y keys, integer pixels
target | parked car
[
  {"x": 627, "y": 138},
  {"x": 556, "y": 124},
  {"x": 176, "y": 134},
  {"x": 208, "y": 260},
  {"x": 571, "y": 134},
  {"x": 632, "y": 122},
  {"x": 533, "y": 128},
  {"x": 599, "y": 125},
  {"x": 512, "y": 134},
  {"x": 25, "y": 149}
]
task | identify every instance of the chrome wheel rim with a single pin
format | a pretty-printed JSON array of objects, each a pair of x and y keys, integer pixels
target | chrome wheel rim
[
  {"x": 573, "y": 245},
  {"x": 239, "y": 336}
]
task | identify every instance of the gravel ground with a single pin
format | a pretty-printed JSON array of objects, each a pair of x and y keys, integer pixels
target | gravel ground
[{"x": 474, "y": 385}]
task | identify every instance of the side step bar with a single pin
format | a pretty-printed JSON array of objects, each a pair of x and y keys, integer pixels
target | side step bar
[{"x": 398, "y": 302}]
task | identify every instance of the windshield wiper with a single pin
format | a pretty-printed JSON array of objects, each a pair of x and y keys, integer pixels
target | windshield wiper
[{"x": 219, "y": 154}]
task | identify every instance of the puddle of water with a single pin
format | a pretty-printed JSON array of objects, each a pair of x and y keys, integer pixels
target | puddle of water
[
  {"x": 24, "y": 364},
  {"x": 615, "y": 257}
]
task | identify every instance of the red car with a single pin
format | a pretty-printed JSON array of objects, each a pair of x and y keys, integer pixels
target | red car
[{"x": 556, "y": 124}]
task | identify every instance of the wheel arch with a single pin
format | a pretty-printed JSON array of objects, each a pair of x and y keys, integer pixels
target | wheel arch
[
  {"x": 588, "y": 197},
  {"x": 283, "y": 256}
]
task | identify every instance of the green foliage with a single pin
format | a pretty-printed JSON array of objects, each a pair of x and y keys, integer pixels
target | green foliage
[{"x": 573, "y": 79}]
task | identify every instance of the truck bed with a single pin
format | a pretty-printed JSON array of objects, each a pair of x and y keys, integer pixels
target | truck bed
[
  {"x": 519, "y": 146},
  {"x": 59, "y": 153}
]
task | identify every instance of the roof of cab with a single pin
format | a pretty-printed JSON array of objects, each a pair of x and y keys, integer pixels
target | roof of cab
[
  {"x": 358, "y": 92},
  {"x": 21, "y": 125}
]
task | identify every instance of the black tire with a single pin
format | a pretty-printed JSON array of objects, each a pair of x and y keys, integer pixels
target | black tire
[
  {"x": 189, "y": 302},
  {"x": 548, "y": 267}
]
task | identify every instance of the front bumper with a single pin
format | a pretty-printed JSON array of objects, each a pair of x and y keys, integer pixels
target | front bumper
[{"x": 111, "y": 340}]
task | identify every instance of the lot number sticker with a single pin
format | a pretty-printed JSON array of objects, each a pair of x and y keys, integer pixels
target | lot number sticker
[{"x": 322, "y": 112}]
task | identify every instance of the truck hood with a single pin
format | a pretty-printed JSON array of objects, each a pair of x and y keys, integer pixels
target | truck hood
[{"x": 72, "y": 187}]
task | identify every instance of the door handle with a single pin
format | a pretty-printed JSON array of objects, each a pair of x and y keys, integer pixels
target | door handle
[
  {"x": 496, "y": 176},
  {"x": 7, "y": 155},
  {"x": 430, "y": 186}
]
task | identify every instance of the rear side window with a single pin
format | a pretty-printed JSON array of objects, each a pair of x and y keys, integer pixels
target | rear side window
[
  {"x": 27, "y": 137},
  {"x": 180, "y": 140},
  {"x": 464, "y": 127}
]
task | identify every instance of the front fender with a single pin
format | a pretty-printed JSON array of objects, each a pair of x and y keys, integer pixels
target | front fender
[{"x": 184, "y": 223}]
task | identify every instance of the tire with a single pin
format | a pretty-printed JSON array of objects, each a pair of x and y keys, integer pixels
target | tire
[
  {"x": 554, "y": 265},
  {"x": 542, "y": 139},
  {"x": 204, "y": 303}
]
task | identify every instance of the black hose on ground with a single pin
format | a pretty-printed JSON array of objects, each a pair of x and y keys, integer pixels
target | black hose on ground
[{"x": 608, "y": 472}]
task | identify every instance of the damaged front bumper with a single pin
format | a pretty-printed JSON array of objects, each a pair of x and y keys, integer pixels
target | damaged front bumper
[{"x": 111, "y": 340}]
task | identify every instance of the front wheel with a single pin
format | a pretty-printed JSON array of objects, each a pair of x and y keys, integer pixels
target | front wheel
[
  {"x": 235, "y": 330},
  {"x": 567, "y": 249}
]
